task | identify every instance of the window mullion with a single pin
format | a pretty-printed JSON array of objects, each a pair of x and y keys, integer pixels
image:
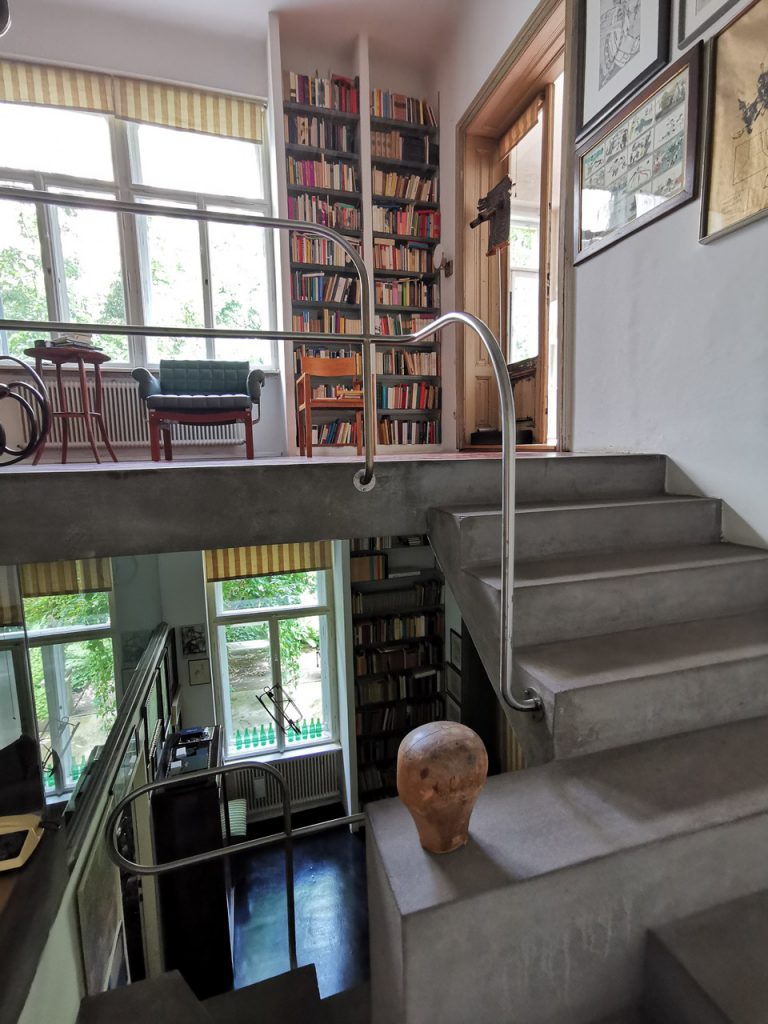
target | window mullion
[
  {"x": 277, "y": 679},
  {"x": 130, "y": 244},
  {"x": 52, "y": 257},
  {"x": 205, "y": 267}
]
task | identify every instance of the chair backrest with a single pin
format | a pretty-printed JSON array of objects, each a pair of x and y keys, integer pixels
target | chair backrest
[
  {"x": 203, "y": 377},
  {"x": 317, "y": 367}
]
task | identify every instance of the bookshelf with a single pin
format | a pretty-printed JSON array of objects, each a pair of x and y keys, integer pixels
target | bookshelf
[
  {"x": 398, "y": 625},
  {"x": 366, "y": 162}
]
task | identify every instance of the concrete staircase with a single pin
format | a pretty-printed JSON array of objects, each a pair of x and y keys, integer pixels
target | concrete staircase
[{"x": 647, "y": 638}]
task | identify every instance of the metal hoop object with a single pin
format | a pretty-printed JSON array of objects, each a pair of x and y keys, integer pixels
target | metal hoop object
[{"x": 35, "y": 407}]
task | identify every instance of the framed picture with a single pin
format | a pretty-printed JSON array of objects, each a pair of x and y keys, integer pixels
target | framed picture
[
  {"x": 694, "y": 17},
  {"x": 622, "y": 44},
  {"x": 194, "y": 640},
  {"x": 736, "y": 157},
  {"x": 199, "y": 672},
  {"x": 452, "y": 709},
  {"x": 453, "y": 683},
  {"x": 455, "y": 650},
  {"x": 641, "y": 165}
]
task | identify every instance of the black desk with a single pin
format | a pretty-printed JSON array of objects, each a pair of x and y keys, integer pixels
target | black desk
[{"x": 195, "y": 902}]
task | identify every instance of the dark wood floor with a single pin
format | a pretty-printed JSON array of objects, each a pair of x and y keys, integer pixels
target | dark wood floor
[{"x": 331, "y": 911}]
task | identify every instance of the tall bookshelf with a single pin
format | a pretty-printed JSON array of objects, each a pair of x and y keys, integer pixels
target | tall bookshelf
[
  {"x": 390, "y": 205},
  {"x": 398, "y": 627}
]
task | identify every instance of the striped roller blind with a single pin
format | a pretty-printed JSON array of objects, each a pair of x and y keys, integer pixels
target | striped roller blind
[
  {"x": 80, "y": 576},
  {"x": 266, "y": 559},
  {"x": 525, "y": 123},
  {"x": 133, "y": 99},
  {"x": 10, "y": 600}
]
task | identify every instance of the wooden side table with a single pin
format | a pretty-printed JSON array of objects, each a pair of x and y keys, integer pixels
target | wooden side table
[{"x": 82, "y": 357}]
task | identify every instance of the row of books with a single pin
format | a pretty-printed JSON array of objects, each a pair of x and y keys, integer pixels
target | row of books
[
  {"x": 335, "y": 391},
  {"x": 398, "y": 627},
  {"x": 396, "y": 107},
  {"x": 321, "y": 352},
  {"x": 375, "y": 779},
  {"x": 321, "y": 287},
  {"x": 421, "y": 595},
  {"x": 306, "y": 249},
  {"x": 334, "y": 93},
  {"x": 389, "y": 254},
  {"x": 408, "y": 396},
  {"x": 341, "y": 177},
  {"x": 403, "y": 323},
  {"x": 319, "y": 211},
  {"x": 397, "y": 717},
  {"x": 382, "y": 749},
  {"x": 337, "y": 432},
  {"x": 364, "y": 568},
  {"x": 414, "y": 685},
  {"x": 417, "y": 149},
  {"x": 303, "y": 130},
  {"x": 408, "y": 431},
  {"x": 382, "y": 543},
  {"x": 406, "y": 293},
  {"x": 398, "y": 659},
  {"x": 417, "y": 223},
  {"x": 325, "y": 321},
  {"x": 404, "y": 186},
  {"x": 401, "y": 363}
]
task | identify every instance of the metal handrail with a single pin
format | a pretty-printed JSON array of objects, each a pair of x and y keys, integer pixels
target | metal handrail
[{"x": 364, "y": 478}]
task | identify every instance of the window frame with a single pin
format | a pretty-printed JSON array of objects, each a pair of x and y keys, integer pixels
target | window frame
[
  {"x": 131, "y": 228},
  {"x": 219, "y": 619}
]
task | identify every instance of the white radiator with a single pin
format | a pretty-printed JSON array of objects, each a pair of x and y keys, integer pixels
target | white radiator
[
  {"x": 313, "y": 779},
  {"x": 126, "y": 418}
]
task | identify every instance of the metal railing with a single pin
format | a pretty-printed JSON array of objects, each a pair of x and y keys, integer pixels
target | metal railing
[{"x": 364, "y": 478}]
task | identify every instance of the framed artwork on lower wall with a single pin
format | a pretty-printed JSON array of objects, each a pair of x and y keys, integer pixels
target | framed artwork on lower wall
[
  {"x": 641, "y": 165},
  {"x": 694, "y": 17},
  {"x": 735, "y": 191}
]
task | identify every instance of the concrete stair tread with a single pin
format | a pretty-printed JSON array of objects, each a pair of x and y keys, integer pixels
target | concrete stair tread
[
  {"x": 286, "y": 997},
  {"x": 566, "y": 813},
  {"x": 604, "y": 565},
  {"x": 479, "y": 511},
  {"x": 167, "y": 998},
  {"x": 639, "y": 653},
  {"x": 722, "y": 950}
]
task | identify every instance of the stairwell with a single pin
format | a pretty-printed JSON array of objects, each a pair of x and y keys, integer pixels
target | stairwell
[{"x": 646, "y": 637}]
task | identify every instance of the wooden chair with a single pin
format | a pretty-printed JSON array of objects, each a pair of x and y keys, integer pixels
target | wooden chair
[{"x": 323, "y": 369}]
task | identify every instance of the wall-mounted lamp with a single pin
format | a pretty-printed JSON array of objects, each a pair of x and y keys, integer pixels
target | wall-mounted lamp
[
  {"x": 441, "y": 262},
  {"x": 5, "y": 17}
]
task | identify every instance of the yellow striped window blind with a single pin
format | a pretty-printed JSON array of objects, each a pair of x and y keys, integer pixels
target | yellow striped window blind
[
  {"x": 78, "y": 576},
  {"x": 266, "y": 559},
  {"x": 10, "y": 599}
]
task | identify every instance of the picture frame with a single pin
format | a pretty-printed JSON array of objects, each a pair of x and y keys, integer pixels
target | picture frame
[
  {"x": 455, "y": 649},
  {"x": 194, "y": 640},
  {"x": 199, "y": 672},
  {"x": 692, "y": 23},
  {"x": 735, "y": 165},
  {"x": 452, "y": 709},
  {"x": 622, "y": 44},
  {"x": 452, "y": 683},
  {"x": 641, "y": 164}
]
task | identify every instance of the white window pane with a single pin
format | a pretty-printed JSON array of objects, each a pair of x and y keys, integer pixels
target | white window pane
[
  {"x": 249, "y": 671},
  {"x": 22, "y": 283},
  {"x": 192, "y": 162},
  {"x": 303, "y": 656},
  {"x": 278, "y": 591},
  {"x": 524, "y": 315},
  {"x": 175, "y": 348},
  {"x": 93, "y": 274},
  {"x": 240, "y": 287},
  {"x": 55, "y": 141}
]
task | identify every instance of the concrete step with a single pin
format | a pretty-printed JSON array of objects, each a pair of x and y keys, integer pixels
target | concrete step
[
  {"x": 589, "y": 595},
  {"x": 583, "y": 477},
  {"x": 711, "y": 967},
  {"x": 352, "y": 1006},
  {"x": 286, "y": 997},
  {"x": 573, "y": 528},
  {"x": 609, "y": 691},
  {"x": 544, "y": 913},
  {"x": 167, "y": 998}
]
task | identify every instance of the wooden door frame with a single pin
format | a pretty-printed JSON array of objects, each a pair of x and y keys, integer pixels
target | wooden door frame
[{"x": 543, "y": 39}]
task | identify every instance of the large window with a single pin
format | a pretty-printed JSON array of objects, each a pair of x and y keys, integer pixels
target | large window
[
  {"x": 95, "y": 266},
  {"x": 275, "y": 660}
]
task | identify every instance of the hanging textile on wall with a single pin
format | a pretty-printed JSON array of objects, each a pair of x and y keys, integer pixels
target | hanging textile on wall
[{"x": 267, "y": 559}]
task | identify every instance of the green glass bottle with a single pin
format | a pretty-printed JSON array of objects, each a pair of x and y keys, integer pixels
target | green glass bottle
[
  {"x": 289, "y": 735},
  {"x": 75, "y": 771},
  {"x": 271, "y": 733},
  {"x": 304, "y": 730},
  {"x": 247, "y": 738},
  {"x": 238, "y": 740},
  {"x": 263, "y": 736},
  {"x": 319, "y": 729}
]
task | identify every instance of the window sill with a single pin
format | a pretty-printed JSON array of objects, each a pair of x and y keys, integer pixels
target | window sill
[{"x": 285, "y": 755}]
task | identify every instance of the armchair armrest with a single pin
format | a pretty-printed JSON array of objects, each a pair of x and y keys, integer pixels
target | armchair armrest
[
  {"x": 256, "y": 381},
  {"x": 148, "y": 385}
]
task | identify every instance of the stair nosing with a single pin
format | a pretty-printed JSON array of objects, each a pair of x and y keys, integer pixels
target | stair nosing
[{"x": 469, "y": 512}]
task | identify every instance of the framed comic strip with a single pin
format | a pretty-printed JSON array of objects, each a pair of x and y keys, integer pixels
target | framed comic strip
[
  {"x": 641, "y": 165},
  {"x": 622, "y": 44},
  {"x": 694, "y": 17},
  {"x": 736, "y": 152}
]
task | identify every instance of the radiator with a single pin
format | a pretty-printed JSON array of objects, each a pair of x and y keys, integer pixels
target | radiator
[
  {"x": 313, "y": 779},
  {"x": 126, "y": 418}
]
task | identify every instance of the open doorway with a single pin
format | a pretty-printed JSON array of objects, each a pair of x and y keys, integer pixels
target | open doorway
[{"x": 515, "y": 128}]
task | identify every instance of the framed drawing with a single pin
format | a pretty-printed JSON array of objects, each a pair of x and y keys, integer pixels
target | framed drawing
[
  {"x": 694, "y": 17},
  {"x": 642, "y": 164},
  {"x": 453, "y": 683},
  {"x": 199, "y": 672},
  {"x": 736, "y": 161},
  {"x": 622, "y": 44},
  {"x": 455, "y": 650}
]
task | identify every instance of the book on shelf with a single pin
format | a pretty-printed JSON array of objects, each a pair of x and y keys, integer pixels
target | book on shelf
[
  {"x": 413, "y": 222},
  {"x": 400, "y": 686},
  {"x": 308, "y": 249},
  {"x": 323, "y": 351},
  {"x": 325, "y": 321},
  {"x": 322, "y": 173},
  {"x": 365, "y": 568},
  {"x": 406, "y": 432},
  {"x": 389, "y": 254},
  {"x": 319, "y": 133},
  {"x": 406, "y": 292},
  {"x": 398, "y": 324},
  {"x": 402, "y": 363},
  {"x": 404, "y": 186},
  {"x": 408, "y": 396},
  {"x": 382, "y": 543},
  {"x": 399, "y": 658},
  {"x": 317, "y": 286},
  {"x": 393, "y": 145},
  {"x": 398, "y": 627},
  {"x": 337, "y": 432},
  {"x": 397, "y": 717},
  {"x": 379, "y": 602},
  {"x": 394, "y": 106},
  {"x": 316, "y": 210},
  {"x": 333, "y": 93}
]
